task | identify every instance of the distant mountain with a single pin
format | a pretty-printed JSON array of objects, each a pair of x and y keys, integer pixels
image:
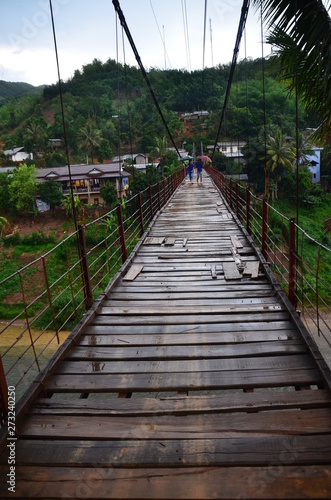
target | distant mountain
[{"x": 18, "y": 89}]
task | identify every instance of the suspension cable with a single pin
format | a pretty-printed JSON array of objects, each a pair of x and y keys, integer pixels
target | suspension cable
[
  {"x": 127, "y": 99},
  {"x": 118, "y": 110},
  {"x": 186, "y": 35},
  {"x": 149, "y": 85},
  {"x": 264, "y": 106},
  {"x": 247, "y": 122},
  {"x": 162, "y": 37},
  {"x": 204, "y": 36},
  {"x": 296, "y": 111},
  {"x": 73, "y": 208},
  {"x": 242, "y": 22}
]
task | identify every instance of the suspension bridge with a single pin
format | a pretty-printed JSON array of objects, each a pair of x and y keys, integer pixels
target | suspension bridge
[
  {"x": 192, "y": 376},
  {"x": 189, "y": 373}
]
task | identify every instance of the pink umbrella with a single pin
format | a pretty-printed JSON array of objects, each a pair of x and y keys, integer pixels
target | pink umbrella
[{"x": 205, "y": 158}]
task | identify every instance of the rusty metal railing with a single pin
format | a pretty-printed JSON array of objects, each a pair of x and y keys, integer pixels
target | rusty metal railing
[
  {"x": 284, "y": 246},
  {"x": 52, "y": 293}
]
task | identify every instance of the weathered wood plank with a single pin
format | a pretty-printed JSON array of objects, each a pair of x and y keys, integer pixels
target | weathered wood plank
[
  {"x": 275, "y": 423},
  {"x": 225, "y": 403},
  {"x": 230, "y": 332},
  {"x": 107, "y": 351},
  {"x": 257, "y": 451},
  {"x": 236, "y": 242},
  {"x": 181, "y": 381},
  {"x": 252, "y": 268},
  {"x": 139, "y": 364},
  {"x": 231, "y": 271},
  {"x": 154, "y": 240},
  {"x": 189, "y": 320},
  {"x": 229, "y": 483},
  {"x": 133, "y": 272},
  {"x": 116, "y": 310}
]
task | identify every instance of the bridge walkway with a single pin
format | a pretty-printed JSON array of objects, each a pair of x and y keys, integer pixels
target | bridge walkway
[{"x": 191, "y": 378}]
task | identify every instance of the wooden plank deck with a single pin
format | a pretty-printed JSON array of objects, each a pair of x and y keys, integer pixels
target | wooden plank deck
[{"x": 186, "y": 382}]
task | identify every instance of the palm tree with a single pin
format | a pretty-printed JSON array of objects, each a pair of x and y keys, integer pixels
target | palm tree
[
  {"x": 36, "y": 133},
  {"x": 302, "y": 33},
  {"x": 280, "y": 156},
  {"x": 160, "y": 150},
  {"x": 3, "y": 223},
  {"x": 327, "y": 225},
  {"x": 89, "y": 137}
]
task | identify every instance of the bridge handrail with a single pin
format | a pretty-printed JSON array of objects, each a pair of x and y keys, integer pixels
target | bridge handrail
[
  {"x": 278, "y": 237},
  {"x": 53, "y": 300}
]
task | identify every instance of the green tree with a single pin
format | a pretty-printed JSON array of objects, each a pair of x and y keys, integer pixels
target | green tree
[
  {"x": 3, "y": 223},
  {"x": 89, "y": 138},
  {"x": 51, "y": 193},
  {"x": 160, "y": 151},
  {"x": 109, "y": 193},
  {"x": 280, "y": 156},
  {"x": 22, "y": 188},
  {"x": 67, "y": 204},
  {"x": 35, "y": 135},
  {"x": 4, "y": 191}
]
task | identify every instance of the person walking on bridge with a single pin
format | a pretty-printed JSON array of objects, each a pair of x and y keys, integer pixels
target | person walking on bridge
[
  {"x": 199, "y": 166},
  {"x": 190, "y": 170}
]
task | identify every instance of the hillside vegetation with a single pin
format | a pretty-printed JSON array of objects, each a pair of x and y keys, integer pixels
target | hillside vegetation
[{"x": 116, "y": 101}]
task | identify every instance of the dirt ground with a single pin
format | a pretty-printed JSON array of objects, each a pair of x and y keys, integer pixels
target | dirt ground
[{"x": 47, "y": 224}]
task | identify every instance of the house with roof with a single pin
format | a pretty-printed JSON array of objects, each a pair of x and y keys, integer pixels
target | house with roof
[
  {"x": 137, "y": 158},
  {"x": 314, "y": 164},
  {"x": 18, "y": 154},
  {"x": 231, "y": 149},
  {"x": 87, "y": 180},
  {"x": 195, "y": 115}
]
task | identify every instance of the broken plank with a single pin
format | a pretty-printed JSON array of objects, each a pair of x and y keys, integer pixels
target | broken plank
[
  {"x": 235, "y": 242},
  {"x": 169, "y": 242},
  {"x": 231, "y": 271},
  {"x": 153, "y": 241},
  {"x": 213, "y": 271},
  {"x": 133, "y": 272},
  {"x": 252, "y": 268}
]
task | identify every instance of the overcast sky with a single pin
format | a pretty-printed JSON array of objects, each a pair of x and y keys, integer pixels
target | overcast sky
[{"x": 85, "y": 30}]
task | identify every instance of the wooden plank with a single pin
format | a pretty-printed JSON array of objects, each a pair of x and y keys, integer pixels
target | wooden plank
[
  {"x": 183, "y": 310},
  {"x": 133, "y": 272},
  {"x": 291, "y": 422},
  {"x": 252, "y": 268},
  {"x": 161, "y": 365},
  {"x": 154, "y": 240},
  {"x": 185, "y": 242},
  {"x": 245, "y": 451},
  {"x": 100, "y": 336},
  {"x": 213, "y": 271},
  {"x": 150, "y": 382},
  {"x": 174, "y": 293},
  {"x": 275, "y": 481},
  {"x": 162, "y": 352},
  {"x": 236, "y": 242},
  {"x": 225, "y": 403},
  {"x": 230, "y": 271},
  {"x": 197, "y": 302},
  {"x": 235, "y": 317},
  {"x": 169, "y": 242}
]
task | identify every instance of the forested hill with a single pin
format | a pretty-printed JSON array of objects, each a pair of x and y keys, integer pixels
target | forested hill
[
  {"x": 113, "y": 100},
  {"x": 18, "y": 89}
]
